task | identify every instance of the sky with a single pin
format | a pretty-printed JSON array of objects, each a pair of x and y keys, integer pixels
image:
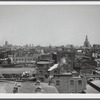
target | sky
[{"x": 49, "y": 24}]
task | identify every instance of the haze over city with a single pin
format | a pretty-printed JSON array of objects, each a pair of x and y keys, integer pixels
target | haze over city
[{"x": 44, "y": 25}]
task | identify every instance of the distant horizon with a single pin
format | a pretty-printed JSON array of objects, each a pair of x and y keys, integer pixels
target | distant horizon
[
  {"x": 46, "y": 25},
  {"x": 46, "y": 45}
]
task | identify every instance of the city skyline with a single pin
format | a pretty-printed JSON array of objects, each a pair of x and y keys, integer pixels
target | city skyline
[
  {"x": 49, "y": 24},
  {"x": 49, "y": 49}
]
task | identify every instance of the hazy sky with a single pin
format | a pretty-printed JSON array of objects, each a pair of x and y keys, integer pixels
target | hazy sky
[{"x": 47, "y": 24}]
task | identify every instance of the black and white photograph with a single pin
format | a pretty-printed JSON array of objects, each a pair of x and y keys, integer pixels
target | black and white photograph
[{"x": 49, "y": 49}]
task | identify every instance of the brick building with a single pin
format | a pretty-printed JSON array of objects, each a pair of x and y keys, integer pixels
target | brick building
[{"x": 66, "y": 83}]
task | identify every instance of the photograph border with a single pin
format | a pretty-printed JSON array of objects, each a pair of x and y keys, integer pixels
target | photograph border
[{"x": 50, "y": 96}]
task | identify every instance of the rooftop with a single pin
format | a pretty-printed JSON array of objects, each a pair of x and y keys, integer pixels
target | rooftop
[
  {"x": 96, "y": 82},
  {"x": 29, "y": 87},
  {"x": 90, "y": 89},
  {"x": 44, "y": 62},
  {"x": 26, "y": 87},
  {"x": 15, "y": 70}
]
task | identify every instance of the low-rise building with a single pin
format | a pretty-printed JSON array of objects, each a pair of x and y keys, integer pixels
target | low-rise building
[
  {"x": 42, "y": 69},
  {"x": 85, "y": 65},
  {"x": 87, "y": 69},
  {"x": 43, "y": 64},
  {"x": 68, "y": 55},
  {"x": 66, "y": 83},
  {"x": 66, "y": 80},
  {"x": 28, "y": 60}
]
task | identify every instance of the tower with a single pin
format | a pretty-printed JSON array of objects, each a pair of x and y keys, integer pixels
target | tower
[
  {"x": 6, "y": 43},
  {"x": 86, "y": 42}
]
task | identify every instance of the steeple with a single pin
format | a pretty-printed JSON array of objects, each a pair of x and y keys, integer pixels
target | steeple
[
  {"x": 86, "y": 39},
  {"x": 86, "y": 42}
]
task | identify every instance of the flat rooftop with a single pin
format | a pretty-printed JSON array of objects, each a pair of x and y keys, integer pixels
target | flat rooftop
[
  {"x": 44, "y": 62},
  {"x": 96, "y": 82},
  {"x": 6, "y": 87},
  {"x": 90, "y": 89},
  {"x": 26, "y": 87},
  {"x": 15, "y": 70},
  {"x": 29, "y": 87}
]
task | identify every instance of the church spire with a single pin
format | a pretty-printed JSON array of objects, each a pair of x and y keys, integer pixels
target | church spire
[
  {"x": 86, "y": 42},
  {"x": 86, "y": 39}
]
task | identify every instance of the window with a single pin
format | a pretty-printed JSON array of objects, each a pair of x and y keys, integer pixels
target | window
[
  {"x": 57, "y": 82},
  {"x": 41, "y": 72},
  {"x": 71, "y": 82},
  {"x": 79, "y": 82}
]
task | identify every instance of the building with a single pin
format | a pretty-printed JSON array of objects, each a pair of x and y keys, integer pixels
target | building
[
  {"x": 26, "y": 59},
  {"x": 45, "y": 57},
  {"x": 86, "y": 43},
  {"x": 43, "y": 64},
  {"x": 16, "y": 73},
  {"x": 66, "y": 83},
  {"x": 68, "y": 56},
  {"x": 98, "y": 62},
  {"x": 96, "y": 51},
  {"x": 85, "y": 66},
  {"x": 96, "y": 46},
  {"x": 65, "y": 79},
  {"x": 42, "y": 69},
  {"x": 87, "y": 69},
  {"x": 65, "y": 60}
]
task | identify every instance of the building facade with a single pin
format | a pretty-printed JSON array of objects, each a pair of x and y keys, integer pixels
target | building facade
[
  {"x": 66, "y": 83},
  {"x": 43, "y": 64},
  {"x": 25, "y": 60}
]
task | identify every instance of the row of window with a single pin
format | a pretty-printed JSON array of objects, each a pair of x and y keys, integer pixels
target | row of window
[
  {"x": 23, "y": 59},
  {"x": 71, "y": 82}
]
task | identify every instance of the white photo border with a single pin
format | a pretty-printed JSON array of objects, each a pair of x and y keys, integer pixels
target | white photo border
[{"x": 56, "y": 95}]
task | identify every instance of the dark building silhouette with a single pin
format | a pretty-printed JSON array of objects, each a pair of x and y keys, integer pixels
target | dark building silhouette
[
  {"x": 86, "y": 42},
  {"x": 54, "y": 57}
]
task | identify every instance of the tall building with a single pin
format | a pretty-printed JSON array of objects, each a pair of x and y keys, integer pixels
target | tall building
[
  {"x": 86, "y": 42},
  {"x": 6, "y": 43}
]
